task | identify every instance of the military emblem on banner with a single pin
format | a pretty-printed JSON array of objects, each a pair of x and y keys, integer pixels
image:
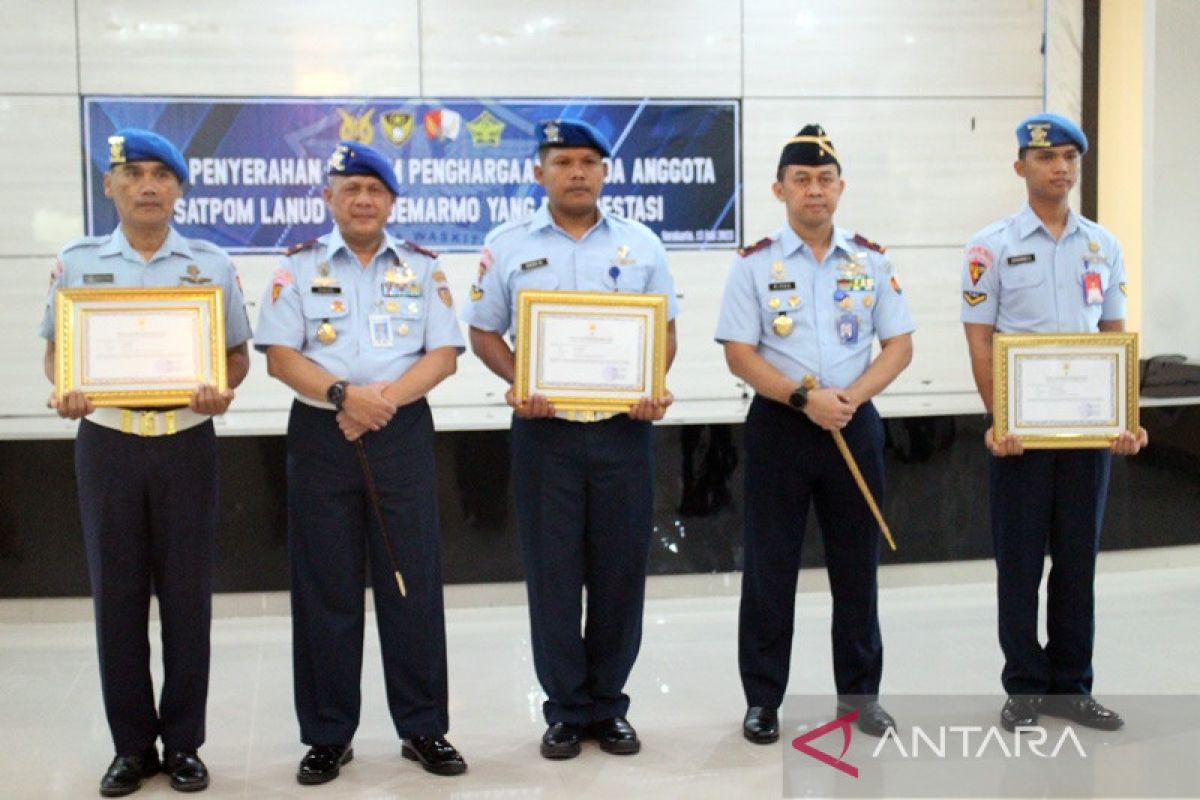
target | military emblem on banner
[
  {"x": 397, "y": 126},
  {"x": 485, "y": 130},
  {"x": 357, "y": 128},
  {"x": 443, "y": 125}
]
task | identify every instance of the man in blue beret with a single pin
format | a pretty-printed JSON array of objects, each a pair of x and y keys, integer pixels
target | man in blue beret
[
  {"x": 583, "y": 482},
  {"x": 361, "y": 326},
  {"x": 148, "y": 479},
  {"x": 799, "y": 318},
  {"x": 1045, "y": 269}
]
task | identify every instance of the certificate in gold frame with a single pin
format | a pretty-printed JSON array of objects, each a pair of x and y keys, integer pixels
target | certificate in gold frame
[
  {"x": 1065, "y": 390},
  {"x": 91, "y": 324},
  {"x": 629, "y": 369}
]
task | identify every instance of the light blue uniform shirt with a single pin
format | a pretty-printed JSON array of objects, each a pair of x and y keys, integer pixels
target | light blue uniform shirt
[
  {"x": 780, "y": 276},
  {"x": 534, "y": 253},
  {"x": 1018, "y": 279},
  {"x": 110, "y": 261},
  {"x": 384, "y": 317}
]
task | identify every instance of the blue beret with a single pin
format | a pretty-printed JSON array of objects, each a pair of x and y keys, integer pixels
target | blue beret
[
  {"x": 571, "y": 133},
  {"x": 352, "y": 158},
  {"x": 1050, "y": 130},
  {"x": 135, "y": 144}
]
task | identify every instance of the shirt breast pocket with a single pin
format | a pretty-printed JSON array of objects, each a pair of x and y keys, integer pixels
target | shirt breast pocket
[
  {"x": 1022, "y": 276},
  {"x": 778, "y": 321},
  {"x": 540, "y": 280},
  {"x": 633, "y": 278},
  {"x": 408, "y": 327},
  {"x": 321, "y": 308}
]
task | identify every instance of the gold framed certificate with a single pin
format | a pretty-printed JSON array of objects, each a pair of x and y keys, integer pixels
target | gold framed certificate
[
  {"x": 139, "y": 348},
  {"x": 591, "y": 351},
  {"x": 1065, "y": 390}
]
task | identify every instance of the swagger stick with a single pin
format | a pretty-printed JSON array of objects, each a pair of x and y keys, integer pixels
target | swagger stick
[
  {"x": 387, "y": 542},
  {"x": 810, "y": 383}
]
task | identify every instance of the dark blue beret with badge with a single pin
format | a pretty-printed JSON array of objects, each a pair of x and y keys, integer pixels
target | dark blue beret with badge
[
  {"x": 352, "y": 158},
  {"x": 571, "y": 133},
  {"x": 810, "y": 147},
  {"x": 135, "y": 144},
  {"x": 1050, "y": 130}
]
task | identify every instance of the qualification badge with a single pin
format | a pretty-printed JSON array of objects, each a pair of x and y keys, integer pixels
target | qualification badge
[
  {"x": 777, "y": 270},
  {"x": 622, "y": 259},
  {"x": 782, "y": 324},
  {"x": 773, "y": 302},
  {"x": 326, "y": 333}
]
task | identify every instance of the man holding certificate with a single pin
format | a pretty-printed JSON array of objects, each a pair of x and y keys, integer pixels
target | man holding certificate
[
  {"x": 1046, "y": 270},
  {"x": 799, "y": 317},
  {"x": 148, "y": 478},
  {"x": 361, "y": 327},
  {"x": 583, "y": 480}
]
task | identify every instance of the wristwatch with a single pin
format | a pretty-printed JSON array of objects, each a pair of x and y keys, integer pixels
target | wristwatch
[
  {"x": 336, "y": 393},
  {"x": 799, "y": 398}
]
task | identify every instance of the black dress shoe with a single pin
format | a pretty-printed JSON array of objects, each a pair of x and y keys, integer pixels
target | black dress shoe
[
  {"x": 615, "y": 735},
  {"x": 1020, "y": 711},
  {"x": 873, "y": 720},
  {"x": 125, "y": 773},
  {"x": 435, "y": 754},
  {"x": 561, "y": 740},
  {"x": 1082, "y": 709},
  {"x": 186, "y": 771},
  {"x": 761, "y": 725},
  {"x": 322, "y": 763}
]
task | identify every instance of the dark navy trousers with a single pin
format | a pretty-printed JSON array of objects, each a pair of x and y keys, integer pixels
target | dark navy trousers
[
  {"x": 585, "y": 510},
  {"x": 332, "y": 533},
  {"x": 1048, "y": 500},
  {"x": 149, "y": 513},
  {"x": 791, "y": 464}
]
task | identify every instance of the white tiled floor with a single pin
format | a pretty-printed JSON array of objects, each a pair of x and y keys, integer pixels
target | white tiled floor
[{"x": 938, "y": 624}]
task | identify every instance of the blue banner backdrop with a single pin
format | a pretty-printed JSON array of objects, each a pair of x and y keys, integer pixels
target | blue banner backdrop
[{"x": 256, "y": 165}]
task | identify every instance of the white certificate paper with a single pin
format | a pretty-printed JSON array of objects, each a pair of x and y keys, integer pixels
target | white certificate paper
[
  {"x": 1066, "y": 390},
  {"x": 147, "y": 347},
  {"x": 591, "y": 351}
]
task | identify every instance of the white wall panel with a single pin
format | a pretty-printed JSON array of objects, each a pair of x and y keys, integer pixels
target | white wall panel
[
  {"x": 23, "y": 384},
  {"x": 37, "y": 47},
  {"x": 1064, "y": 57},
  {"x": 41, "y": 184},
  {"x": 1171, "y": 206},
  {"x": 874, "y": 48},
  {"x": 228, "y": 47},
  {"x": 918, "y": 172},
  {"x": 671, "y": 48}
]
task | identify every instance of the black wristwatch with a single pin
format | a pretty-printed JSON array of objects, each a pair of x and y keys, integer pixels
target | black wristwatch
[
  {"x": 799, "y": 398},
  {"x": 336, "y": 393}
]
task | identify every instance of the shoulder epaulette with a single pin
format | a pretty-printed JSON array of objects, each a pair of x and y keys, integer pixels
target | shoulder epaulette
[
  {"x": 754, "y": 248},
  {"x": 299, "y": 248},
  {"x": 83, "y": 241},
  {"x": 416, "y": 248},
  {"x": 863, "y": 241},
  {"x": 204, "y": 244}
]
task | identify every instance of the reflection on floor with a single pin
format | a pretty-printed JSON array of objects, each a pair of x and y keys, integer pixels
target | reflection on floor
[{"x": 939, "y": 631}]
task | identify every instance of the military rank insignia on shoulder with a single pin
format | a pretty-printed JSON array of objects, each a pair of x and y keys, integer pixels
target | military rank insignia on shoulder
[
  {"x": 863, "y": 241},
  {"x": 300, "y": 248},
  {"x": 416, "y": 248},
  {"x": 754, "y": 248}
]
